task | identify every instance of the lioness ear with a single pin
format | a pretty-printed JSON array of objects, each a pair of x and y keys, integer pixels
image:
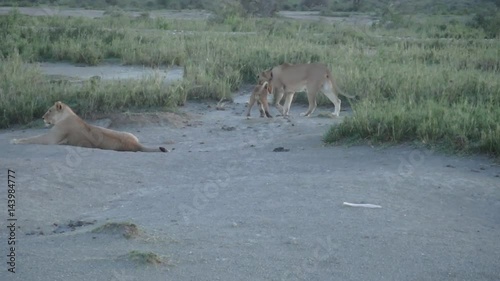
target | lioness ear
[{"x": 58, "y": 105}]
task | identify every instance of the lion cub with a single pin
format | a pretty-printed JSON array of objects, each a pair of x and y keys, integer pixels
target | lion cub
[
  {"x": 259, "y": 94},
  {"x": 69, "y": 129}
]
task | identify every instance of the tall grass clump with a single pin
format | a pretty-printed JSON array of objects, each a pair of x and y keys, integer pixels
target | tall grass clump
[
  {"x": 432, "y": 100},
  {"x": 25, "y": 93}
]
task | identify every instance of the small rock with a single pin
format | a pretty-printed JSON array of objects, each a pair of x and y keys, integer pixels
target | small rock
[
  {"x": 228, "y": 128},
  {"x": 281, "y": 149}
]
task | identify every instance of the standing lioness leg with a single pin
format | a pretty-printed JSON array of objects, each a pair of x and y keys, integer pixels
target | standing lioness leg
[
  {"x": 288, "y": 102},
  {"x": 332, "y": 96},
  {"x": 312, "y": 91},
  {"x": 278, "y": 95}
]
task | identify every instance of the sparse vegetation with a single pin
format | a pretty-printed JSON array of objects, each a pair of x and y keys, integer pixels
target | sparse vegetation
[
  {"x": 146, "y": 258},
  {"x": 126, "y": 229},
  {"x": 433, "y": 81}
]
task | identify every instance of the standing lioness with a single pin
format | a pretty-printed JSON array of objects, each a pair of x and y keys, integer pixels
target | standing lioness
[
  {"x": 311, "y": 77},
  {"x": 70, "y": 129}
]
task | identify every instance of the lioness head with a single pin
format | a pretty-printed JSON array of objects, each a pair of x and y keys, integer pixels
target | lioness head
[
  {"x": 54, "y": 114},
  {"x": 264, "y": 76}
]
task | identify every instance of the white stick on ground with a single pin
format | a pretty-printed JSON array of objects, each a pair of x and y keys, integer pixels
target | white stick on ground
[{"x": 361, "y": 205}]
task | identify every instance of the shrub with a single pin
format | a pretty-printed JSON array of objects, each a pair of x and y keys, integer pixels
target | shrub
[{"x": 489, "y": 22}]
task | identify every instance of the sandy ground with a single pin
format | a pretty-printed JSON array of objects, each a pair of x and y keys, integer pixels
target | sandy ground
[
  {"x": 109, "y": 71},
  {"x": 223, "y": 206}
]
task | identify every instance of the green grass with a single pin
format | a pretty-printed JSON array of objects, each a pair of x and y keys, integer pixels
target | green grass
[
  {"x": 458, "y": 110},
  {"x": 25, "y": 94},
  {"x": 440, "y": 86}
]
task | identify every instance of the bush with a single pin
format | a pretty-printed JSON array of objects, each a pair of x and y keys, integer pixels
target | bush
[
  {"x": 25, "y": 94},
  {"x": 489, "y": 22},
  {"x": 225, "y": 11},
  {"x": 313, "y": 4}
]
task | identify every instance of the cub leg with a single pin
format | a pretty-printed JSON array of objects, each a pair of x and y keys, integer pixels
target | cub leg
[
  {"x": 264, "y": 105},
  {"x": 250, "y": 104},
  {"x": 261, "y": 109}
]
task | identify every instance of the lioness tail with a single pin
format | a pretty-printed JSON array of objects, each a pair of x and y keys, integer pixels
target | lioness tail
[
  {"x": 153, "y": 149},
  {"x": 329, "y": 76}
]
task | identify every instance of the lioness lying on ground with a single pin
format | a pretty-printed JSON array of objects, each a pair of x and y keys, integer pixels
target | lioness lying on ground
[
  {"x": 259, "y": 94},
  {"x": 312, "y": 77},
  {"x": 70, "y": 129}
]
